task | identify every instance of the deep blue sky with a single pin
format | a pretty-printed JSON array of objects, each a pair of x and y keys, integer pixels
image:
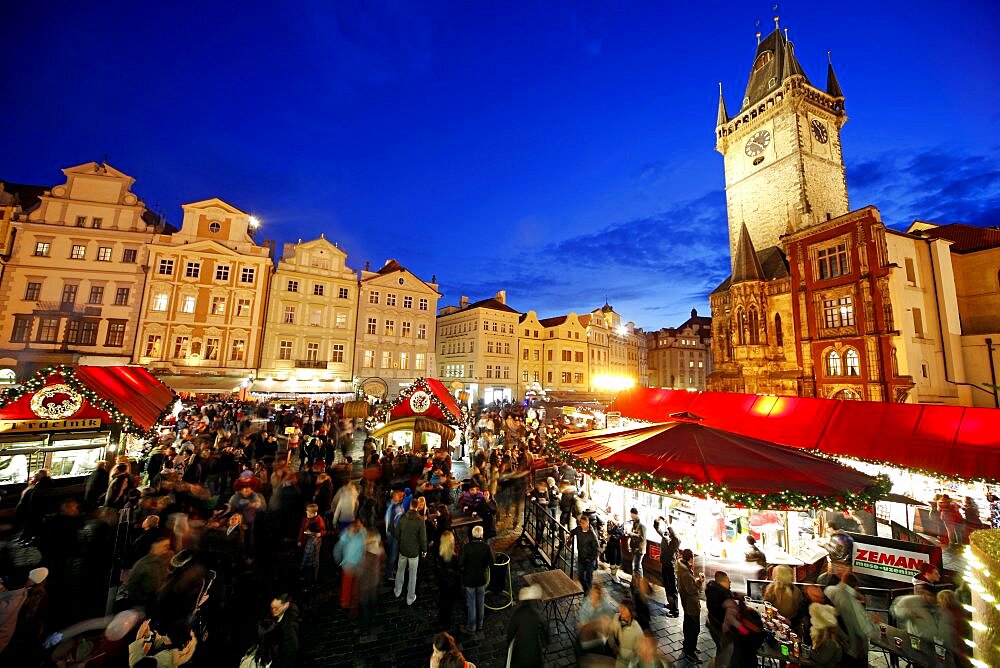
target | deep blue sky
[{"x": 560, "y": 150}]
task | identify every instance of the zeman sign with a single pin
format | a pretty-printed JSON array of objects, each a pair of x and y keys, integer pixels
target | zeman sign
[
  {"x": 891, "y": 559},
  {"x": 7, "y": 426}
]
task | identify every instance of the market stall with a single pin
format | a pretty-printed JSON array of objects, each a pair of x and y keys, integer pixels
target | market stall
[
  {"x": 421, "y": 418},
  {"x": 66, "y": 419},
  {"x": 717, "y": 488}
]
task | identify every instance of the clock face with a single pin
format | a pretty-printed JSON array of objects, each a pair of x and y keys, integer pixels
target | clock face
[
  {"x": 819, "y": 130},
  {"x": 420, "y": 401},
  {"x": 757, "y": 143}
]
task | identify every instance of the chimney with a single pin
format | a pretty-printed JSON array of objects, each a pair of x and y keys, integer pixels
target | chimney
[
  {"x": 463, "y": 302},
  {"x": 502, "y": 296},
  {"x": 368, "y": 265}
]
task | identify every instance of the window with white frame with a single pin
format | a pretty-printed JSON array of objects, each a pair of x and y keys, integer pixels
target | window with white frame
[
  {"x": 288, "y": 315},
  {"x": 248, "y": 274},
  {"x": 407, "y": 301},
  {"x": 160, "y": 302},
  {"x": 372, "y": 326},
  {"x": 404, "y": 360},
  {"x": 390, "y": 299},
  {"x": 838, "y": 312},
  {"x": 181, "y": 344},
  {"x": 343, "y": 293},
  {"x": 222, "y": 272},
  {"x": 852, "y": 365},
  {"x": 192, "y": 270},
  {"x": 422, "y": 331},
  {"x": 238, "y": 350},
  {"x": 318, "y": 289},
  {"x": 390, "y": 327},
  {"x": 154, "y": 346},
  {"x": 242, "y": 307},
  {"x": 369, "y": 359},
  {"x": 373, "y": 297},
  {"x": 104, "y": 253},
  {"x": 188, "y": 303},
  {"x": 292, "y": 286},
  {"x": 386, "y": 359},
  {"x": 423, "y": 303},
  {"x": 405, "y": 331},
  {"x": 212, "y": 348},
  {"x": 832, "y": 261},
  {"x": 78, "y": 252},
  {"x": 218, "y": 306},
  {"x": 337, "y": 352},
  {"x": 166, "y": 267},
  {"x": 340, "y": 320},
  {"x": 419, "y": 360}
]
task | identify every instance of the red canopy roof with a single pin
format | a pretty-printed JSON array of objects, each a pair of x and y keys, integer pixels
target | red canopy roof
[
  {"x": 950, "y": 440},
  {"x": 138, "y": 397},
  {"x": 717, "y": 459},
  {"x": 443, "y": 406}
]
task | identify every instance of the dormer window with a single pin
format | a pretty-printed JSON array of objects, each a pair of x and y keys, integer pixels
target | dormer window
[{"x": 762, "y": 60}]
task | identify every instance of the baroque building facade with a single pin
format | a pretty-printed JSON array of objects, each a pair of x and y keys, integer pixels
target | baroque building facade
[
  {"x": 681, "y": 357},
  {"x": 820, "y": 302}
]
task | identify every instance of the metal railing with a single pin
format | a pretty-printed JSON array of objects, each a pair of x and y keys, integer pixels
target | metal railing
[
  {"x": 310, "y": 364},
  {"x": 550, "y": 540}
]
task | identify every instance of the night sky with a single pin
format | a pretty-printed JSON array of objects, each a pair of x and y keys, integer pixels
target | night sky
[{"x": 562, "y": 151}]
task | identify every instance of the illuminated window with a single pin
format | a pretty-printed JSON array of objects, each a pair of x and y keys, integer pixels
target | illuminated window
[
  {"x": 390, "y": 327},
  {"x": 762, "y": 60},
  {"x": 422, "y": 332},
  {"x": 160, "y": 302},
  {"x": 212, "y": 348},
  {"x": 369, "y": 359},
  {"x": 78, "y": 252},
  {"x": 405, "y": 328},
  {"x": 218, "y": 306},
  {"x": 386, "y": 359},
  {"x": 181, "y": 344},
  {"x": 242, "y": 307},
  {"x": 340, "y": 320},
  {"x": 404, "y": 360},
  {"x": 337, "y": 352},
  {"x": 32, "y": 292},
  {"x": 838, "y": 312},
  {"x": 104, "y": 253},
  {"x": 833, "y": 364},
  {"x": 419, "y": 361},
  {"x": 188, "y": 303},
  {"x": 42, "y": 249},
  {"x": 852, "y": 365},
  {"x": 237, "y": 351},
  {"x": 154, "y": 344}
]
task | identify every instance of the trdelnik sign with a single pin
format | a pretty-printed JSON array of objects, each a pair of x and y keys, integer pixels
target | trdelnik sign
[{"x": 891, "y": 559}]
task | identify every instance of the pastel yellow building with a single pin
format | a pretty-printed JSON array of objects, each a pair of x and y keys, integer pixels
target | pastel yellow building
[
  {"x": 477, "y": 348},
  {"x": 564, "y": 341},
  {"x": 203, "y": 306},
  {"x": 72, "y": 286},
  {"x": 530, "y": 345},
  {"x": 396, "y": 329},
  {"x": 613, "y": 346},
  {"x": 310, "y": 326}
]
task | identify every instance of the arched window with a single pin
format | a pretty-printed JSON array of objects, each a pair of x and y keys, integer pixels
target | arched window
[
  {"x": 741, "y": 334},
  {"x": 894, "y": 360},
  {"x": 833, "y": 364},
  {"x": 753, "y": 324},
  {"x": 852, "y": 365},
  {"x": 779, "y": 336},
  {"x": 847, "y": 395}
]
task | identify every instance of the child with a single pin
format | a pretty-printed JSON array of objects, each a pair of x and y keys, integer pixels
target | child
[{"x": 311, "y": 538}]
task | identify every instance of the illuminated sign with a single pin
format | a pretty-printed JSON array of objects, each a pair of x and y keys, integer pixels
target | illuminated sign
[
  {"x": 888, "y": 562},
  {"x": 56, "y": 402},
  {"x": 20, "y": 426}
]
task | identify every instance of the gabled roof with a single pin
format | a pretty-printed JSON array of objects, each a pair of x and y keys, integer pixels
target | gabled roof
[
  {"x": 23, "y": 195},
  {"x": 966, "y": 238},
  {"x": 213, "y": 201},
  {"x": 772, "y": 262},
  {"x": 553, "y": 322},
  {"x": 491, "y": 303}
]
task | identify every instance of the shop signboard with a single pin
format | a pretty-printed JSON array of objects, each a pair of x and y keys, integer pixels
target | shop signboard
[
  {"x": 891, "y": 559},
  {"x": 27, "y": 426}
]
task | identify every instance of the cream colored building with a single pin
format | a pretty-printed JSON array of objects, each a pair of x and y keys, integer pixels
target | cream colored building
[
  {"x": 564, "y": 342},
  {"x": 681, "y": 358},
  {"x": 613, "y": 346},
  {"x": 73, "y": 283},
  {"x": 203, "y": 306},
  {"x": 395, "y": 329},
  {"x": 477, "y": 348},
  {"x": 530, "y": 346},
  {"x": 311, "y": 320}
]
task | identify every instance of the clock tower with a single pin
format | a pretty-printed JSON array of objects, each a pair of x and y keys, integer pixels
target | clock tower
[{"x": 783, "y": 161}]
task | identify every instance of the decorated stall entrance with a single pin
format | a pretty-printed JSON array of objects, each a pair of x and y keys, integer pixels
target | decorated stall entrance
[
  {"x": 66, "y": 419},
  {"x": 419, "y": 419}
]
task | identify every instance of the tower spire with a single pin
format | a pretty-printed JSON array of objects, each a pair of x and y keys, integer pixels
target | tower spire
[
  {"x": 746, "y": 266},
  {"x": 791, "y": 64},
  {"x": 832, "y": 85},
  {"x": 723, "y": 116}
]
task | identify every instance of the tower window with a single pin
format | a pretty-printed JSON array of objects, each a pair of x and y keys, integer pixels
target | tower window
[
  {"x": 762, "y": 60},
  {"x": 832, "y": 261}
]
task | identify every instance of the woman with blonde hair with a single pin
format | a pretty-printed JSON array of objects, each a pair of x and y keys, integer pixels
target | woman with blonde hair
[
  {"x": 824, "y": 632},
  {"x": 449, "y": 579},
  {"x": 782, "y": 594}
]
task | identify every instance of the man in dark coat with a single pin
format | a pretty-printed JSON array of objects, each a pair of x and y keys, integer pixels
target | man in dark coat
[
  {"x": 528, "y": 630},
  {"x": 587, "y": 547},
  {"x": 97, "y": 485},
  {"x": 669, "y": 542},
  {"x": 473, "y": 563}
]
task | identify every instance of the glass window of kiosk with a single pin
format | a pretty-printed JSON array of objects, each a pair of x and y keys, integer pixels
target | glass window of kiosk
[{"x": 63, "y": 456}]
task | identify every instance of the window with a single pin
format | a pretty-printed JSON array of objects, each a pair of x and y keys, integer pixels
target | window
[
  {"x": 181, "y": 344},
  {"x": 48, "y": 330},
  {"x": 337, "y": 352},
  {"x": 918, "y": 323},
  {"x": 369, "y": 359},
  {"x": 212, "y": 348},
  {"x": 390, "y": 299},
  {"x": 524, "y": 376},
  {"x": 312, "y": 352},
  {"x": 84, "y": 332},
  {"x": 96, "y": 223},
  {"x": 218, "y": 306},
  {"x": 319, "y": 289},
  {"x": 404, "y": 360},
  {"x": 753, "y": 325},
  {"x": 407, "y": 301},
  {"x": 340, "y": 320},
  {"x": 578, "y": 356},
  {"x": 32, "y": 292},
  {"x": 524, "y": 355},
  {"x": 494, "y": 327},
  {"x": 69, "y": 294},
  {"x": 405, "y": 328},
  {"x": 506, "y": 348},
  {"x": 423, "y": 303},
  {"x": 116, "y": 333},
  {"x": 548, "y": 355},
  {"x": 386, "y": 359},
  {"x": 247, "y": 274},
  {"x": 129, "y": 255},
  {"x": 222, "y": 272},
  {"x": 42, "y": 249},
  {"x": 489, "y": 370},
  {"x": 292, "y": 286},
  {"x": 315, "y": 317},
  {"x": 489, "y": 346},
  {"x": 851, "y": 363},
  {"x": 284, "y": 350},
  {"x": 838, "y": 312},
  {"x": 288, "y": 316},
  {"x": 159, "y": 302},
  {"x": 534, "y": 376},
  {"x": 154, "y": 344},
  {"x": 567, "y": 355},
  {"x": 832, "y": 261},
  {"x": 96, "y": 294},
  {"x": 565, "y": 375},
  {"x": 188, "y": 303},
  {"x": 22, "y": 328},
  {"x": 833, "y": 363},
  {"x": 486, "y": 326},
  {"x": 419, "y": 360},
  {"x": 911, "y": 274},
  {"x": 779, "y": 336},
  {"x": 81, "y": 221},
  {"x": 214, "y": 227},
  {"x": 243, "y": 307},
  {"x": 372, "y": 326},
  {"x": 238, "y": 350},
  {"x": 342, "y": 293},
  {"x": 373, "y": 297},
  {"x": 78, "y": 252},
  {"x": 578, "y": 378},
  {"x": 390, "y": 327},
  {"x": 422, "y": 332},
  {"x": 192, "y": 270},
  {"x": 104, "y": 253},
  {"x": 166, "y": 267}
]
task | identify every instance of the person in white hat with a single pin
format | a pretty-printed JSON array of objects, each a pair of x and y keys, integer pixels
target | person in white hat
[
  {"x": 824, "y": 632},
  {"x": 527, "y": 631}
]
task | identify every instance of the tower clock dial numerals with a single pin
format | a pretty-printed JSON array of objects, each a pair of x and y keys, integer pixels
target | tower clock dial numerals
[
  {"x": 757, "y": 143},
  {"x": 819, "y": 131}
]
